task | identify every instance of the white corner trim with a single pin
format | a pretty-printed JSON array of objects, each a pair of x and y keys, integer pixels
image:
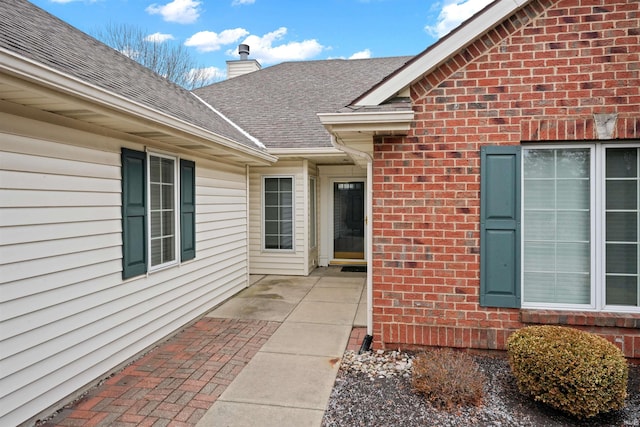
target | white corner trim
[{"x": 443, "y": 49}]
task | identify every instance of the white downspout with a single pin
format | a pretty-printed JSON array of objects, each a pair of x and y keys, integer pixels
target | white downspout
[{"x": 368, "y": 225}]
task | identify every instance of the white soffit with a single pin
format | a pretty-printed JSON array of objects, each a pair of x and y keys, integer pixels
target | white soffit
[
  {"x": 369, "y": 120},
  {"x": 355, "y": 130},
  {"x": 107, "y": 102},
  {"x": 432, "y": 57}
]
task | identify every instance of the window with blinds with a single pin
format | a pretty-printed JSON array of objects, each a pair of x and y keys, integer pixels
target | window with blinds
[
  {"x": 278, "y": 213},
  {"x": 580, "y": 222}
]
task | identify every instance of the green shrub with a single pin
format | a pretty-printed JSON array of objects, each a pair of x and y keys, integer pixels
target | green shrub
[
  {"x": 574, "y": 371},
  {"x": 448, "y": 379}
]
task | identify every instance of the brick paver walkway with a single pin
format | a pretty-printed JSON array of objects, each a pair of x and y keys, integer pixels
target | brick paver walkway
[
  {"x": 178, "y": 381},
  {"x": 174, "y": 384},
  {"x": 356, "y": 338}
]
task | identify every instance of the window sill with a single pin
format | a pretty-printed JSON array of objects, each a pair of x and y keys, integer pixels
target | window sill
[{"x": 580, "y": 318}]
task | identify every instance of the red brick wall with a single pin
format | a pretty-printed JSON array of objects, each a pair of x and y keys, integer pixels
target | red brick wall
[{"x": 539, "y": 76}]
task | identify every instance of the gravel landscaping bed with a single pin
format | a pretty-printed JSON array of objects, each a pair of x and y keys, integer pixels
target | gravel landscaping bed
[{"x": 374, "y": 389}]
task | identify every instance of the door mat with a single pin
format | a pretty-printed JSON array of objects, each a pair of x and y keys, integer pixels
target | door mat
[{"x": 354, "y": 268}]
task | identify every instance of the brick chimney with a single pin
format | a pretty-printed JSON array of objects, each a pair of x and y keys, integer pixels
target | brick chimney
[{"x": 244, "y": 65}]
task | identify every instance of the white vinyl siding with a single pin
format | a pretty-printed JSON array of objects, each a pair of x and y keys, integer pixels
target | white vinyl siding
[
  {"x": 282, "y": 262},
  {"x": 66, "y": 316}
]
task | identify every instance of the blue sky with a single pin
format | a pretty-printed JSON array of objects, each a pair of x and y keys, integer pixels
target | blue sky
[{"x": 276, "y": 30}]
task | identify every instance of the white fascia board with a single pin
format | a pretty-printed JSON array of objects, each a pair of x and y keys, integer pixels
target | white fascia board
[
  {"x": 48, "y": 77},
  {"x": 381, "y": 118},
  {"x": 434, "y": 56},
  {"x": 369, "y": 122},
  {"x": 298, "y": 152}
]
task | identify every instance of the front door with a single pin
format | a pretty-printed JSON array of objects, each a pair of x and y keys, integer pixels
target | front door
[{"x": 348, "y": 221}]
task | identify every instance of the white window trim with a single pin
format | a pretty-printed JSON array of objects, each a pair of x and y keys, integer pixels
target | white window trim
[
  {"x": 176, "y": 212},
  {"x": 293, "y": 215},
  {"x": 602, "y": 235},
  {"x": 597, "y": 216}
]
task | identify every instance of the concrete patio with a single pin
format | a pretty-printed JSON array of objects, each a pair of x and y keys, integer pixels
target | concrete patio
[{"x": 289, "y": 380}]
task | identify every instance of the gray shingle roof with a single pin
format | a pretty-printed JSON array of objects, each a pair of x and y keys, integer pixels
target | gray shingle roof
[
  {"x": 35, "y": 34},
  {"x": 278, "y": 104}
]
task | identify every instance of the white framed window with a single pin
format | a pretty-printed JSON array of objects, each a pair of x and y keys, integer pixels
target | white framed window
[
  {"x": 278, "y": 221},
  {"x": 158, "y": 211},
  {"x": 163, "y": 212},
  {"x": 580, "y": 227}
]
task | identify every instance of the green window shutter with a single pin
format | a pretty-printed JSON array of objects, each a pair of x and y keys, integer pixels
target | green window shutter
[
  {"x": 187, "y": 210},
  {"x": 134, "y": 197},
  {"x": 500, "y": 226}
]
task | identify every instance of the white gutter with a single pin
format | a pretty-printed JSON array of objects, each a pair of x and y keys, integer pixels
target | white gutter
[
  {"x": 372, "y": 121},
  {"x": 50, "y": 78},
  {"x": 381, "y": 119},
  {"x": 363, "y": 123},
  {"x": 368, "y": 225},
  {"x": 306, "y": 152}
]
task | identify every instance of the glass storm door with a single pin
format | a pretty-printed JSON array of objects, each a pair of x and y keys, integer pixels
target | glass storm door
[{"x": 348, "y": 220}]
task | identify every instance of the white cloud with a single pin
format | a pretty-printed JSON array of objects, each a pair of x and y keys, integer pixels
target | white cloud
[
  {"x": 241, "y": 2},
  {"x": 453, "y": 13},
  {"x": 208, "y": 41},
  {"x": 207, "y": 75},
  {"x": 180, "y": 11},
  {"x": 158, "y": 37},
  {"x": 363, "y": 54},
  {"x": 130, "y": 53},
  {"x": 263, "y": 49}
]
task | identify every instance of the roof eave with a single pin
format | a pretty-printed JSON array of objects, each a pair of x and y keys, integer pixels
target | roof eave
[
  {"x": 308, "y": 152},
  {"x": 355, "y": 131},
  {"x": 374, "y": 123},
  {"x": 441, "y": 51},
  {"x": 49, "y": 78}
]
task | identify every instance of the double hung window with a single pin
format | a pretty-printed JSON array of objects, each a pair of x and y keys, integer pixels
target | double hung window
[
  {"x": 158, "y": 211},
  {"x": 278, "y": 213},
  {"x": 579, "y": 245},
  {"x": 162, "y": 210},
  {"x": 557, "y": 226}
]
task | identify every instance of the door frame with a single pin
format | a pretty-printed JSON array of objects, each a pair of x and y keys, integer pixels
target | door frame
[
  {"x": 331, "y": 224},
  {"x": 327, "y": 175}
]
